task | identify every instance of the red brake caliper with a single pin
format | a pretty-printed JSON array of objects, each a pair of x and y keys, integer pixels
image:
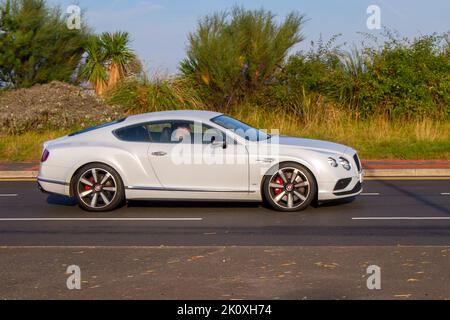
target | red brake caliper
[
  {"x": 86, "y": 187},
  {"x": 278, "y": 180}
]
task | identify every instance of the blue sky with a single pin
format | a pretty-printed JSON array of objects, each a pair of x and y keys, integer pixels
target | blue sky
[{"x": 159, "y": 28}]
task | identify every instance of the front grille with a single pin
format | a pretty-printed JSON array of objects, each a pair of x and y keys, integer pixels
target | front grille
[{"x": 358, "y": 163}]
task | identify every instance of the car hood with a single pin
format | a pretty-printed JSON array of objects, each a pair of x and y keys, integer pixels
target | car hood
[{"x": 311, "y": 144}]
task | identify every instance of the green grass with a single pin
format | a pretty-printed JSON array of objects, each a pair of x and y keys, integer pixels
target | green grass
[
  {"x": 27, "y": 146},
  {"x": 374, "y": 139}
]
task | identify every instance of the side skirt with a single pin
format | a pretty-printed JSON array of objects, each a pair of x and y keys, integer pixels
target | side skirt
[{"x": 134, "y": 193}]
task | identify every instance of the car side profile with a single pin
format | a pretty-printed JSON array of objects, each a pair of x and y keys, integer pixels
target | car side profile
[{"x": 195, "y": 155}]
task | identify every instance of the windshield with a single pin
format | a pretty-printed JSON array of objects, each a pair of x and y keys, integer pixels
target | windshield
[{"x": 244, "y": 130}]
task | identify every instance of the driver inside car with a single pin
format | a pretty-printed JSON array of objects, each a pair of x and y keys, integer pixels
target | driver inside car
[{"x": 182, "y": 133}]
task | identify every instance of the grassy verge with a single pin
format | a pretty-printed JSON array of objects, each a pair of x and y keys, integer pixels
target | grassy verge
[
  {"x": 374, "y": 139},
  {"x": 27, "y": 146}
]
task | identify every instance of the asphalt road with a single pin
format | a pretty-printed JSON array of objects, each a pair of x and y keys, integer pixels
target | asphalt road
[
  {"x": 291, "y": 272},
  {"x": 225, "y": 250},
  {"x": 400, "y": 212}
]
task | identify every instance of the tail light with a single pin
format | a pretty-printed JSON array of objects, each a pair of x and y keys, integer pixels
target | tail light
[{"x": 45, "y": 155}]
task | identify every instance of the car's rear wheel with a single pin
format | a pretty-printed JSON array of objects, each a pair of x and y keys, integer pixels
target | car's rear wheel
[
  {"x": 290, "y": 188},
  {"x": 98, "y": 187}
]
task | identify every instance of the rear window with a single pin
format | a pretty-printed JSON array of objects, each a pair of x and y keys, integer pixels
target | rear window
[
  {"x": 136, "y": 133},
  {"x": 96, "y": 127}
]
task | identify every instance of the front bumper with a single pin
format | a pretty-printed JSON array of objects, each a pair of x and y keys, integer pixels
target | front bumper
[
  {"x": 328, "y": 191},
  {"x": 356, "y": 190}
]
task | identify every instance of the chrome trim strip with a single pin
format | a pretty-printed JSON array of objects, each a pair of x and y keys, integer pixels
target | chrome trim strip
[
  {"x": 183, "y": 190},
  {"x": 53, "y": 181}
]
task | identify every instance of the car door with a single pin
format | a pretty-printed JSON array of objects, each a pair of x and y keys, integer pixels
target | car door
[{"x": 202, "y": 161}]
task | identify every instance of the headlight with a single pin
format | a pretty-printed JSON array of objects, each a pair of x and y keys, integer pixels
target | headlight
[
  {"x": 344, "y": 163},
  {"x": 332, "y": 162}
]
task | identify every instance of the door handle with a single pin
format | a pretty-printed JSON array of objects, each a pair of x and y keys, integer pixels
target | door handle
[
  {"x": 265, "y": 160},
  {"x": 159, "y": 153}
]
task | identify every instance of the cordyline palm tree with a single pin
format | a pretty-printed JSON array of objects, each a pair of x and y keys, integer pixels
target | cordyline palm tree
[
  {"x": 109, "y": 59},
  {"x": 119, "y": 56},
  {"x": 94, "y": 69}
]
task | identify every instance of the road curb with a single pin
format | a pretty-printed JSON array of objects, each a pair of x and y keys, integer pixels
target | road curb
[
  {"x": 417, "y": 172},
  {"x": 368, "y": 173},
  {"x": 18, "y": 175}
]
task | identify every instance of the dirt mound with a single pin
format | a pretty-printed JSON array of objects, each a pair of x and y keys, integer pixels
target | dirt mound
[{"x": 53, "y": 105}]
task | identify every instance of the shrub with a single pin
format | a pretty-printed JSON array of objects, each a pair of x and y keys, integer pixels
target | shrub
[
  {"x": 234, "y": 55},
  {"x": 408, "y": 78},
  {"x": 136, "y": 95},
  {"x": 401, "y": 79}
]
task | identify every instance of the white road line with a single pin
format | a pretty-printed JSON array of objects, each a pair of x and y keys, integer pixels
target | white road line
[
  {"x": 8, "y": 194},
  {"x": 101, "y": 219},
  {"x": 370, "y": 194},
  {"x": 445, "y": 193},
  {"x": 401, "y": 218}
]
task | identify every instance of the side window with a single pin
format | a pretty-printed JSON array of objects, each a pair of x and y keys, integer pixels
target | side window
[
  {"x": 211, "y": 134},
  {"x": 160, "y": 132},
  {"x": 136, "y": 133},
  {"x": 171, "y": 131},
  {"x": 174, "y": 131}
]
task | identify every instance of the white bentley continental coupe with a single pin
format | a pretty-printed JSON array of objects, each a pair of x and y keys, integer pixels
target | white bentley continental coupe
[{"x": 195, "y": 155}]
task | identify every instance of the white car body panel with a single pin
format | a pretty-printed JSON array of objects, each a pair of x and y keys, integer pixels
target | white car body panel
[
  {"x": 146, "y": 176},
  {"x": 198, "y": 175}
]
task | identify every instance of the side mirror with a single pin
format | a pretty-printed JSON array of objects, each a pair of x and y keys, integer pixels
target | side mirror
[{"x": 217, "y": 144}]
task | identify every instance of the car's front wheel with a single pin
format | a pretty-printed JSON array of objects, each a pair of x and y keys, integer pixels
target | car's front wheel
[
  {"x": 291, "y": 187},
  {"x": 98, "y": 187}
]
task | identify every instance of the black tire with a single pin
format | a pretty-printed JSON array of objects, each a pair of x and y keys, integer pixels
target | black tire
[
  {"x": 289, "y": 197},
  {"x": 105, "y": 198}
]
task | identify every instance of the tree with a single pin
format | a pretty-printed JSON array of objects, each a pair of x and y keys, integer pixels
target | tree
[
  {"x": 109, "y": 59},
  {"x": 36, "y": 46},
  {"x": 119, "y": 56},
  {"x": 94, "y": 70},
  {"x": 232, "y": 55}
]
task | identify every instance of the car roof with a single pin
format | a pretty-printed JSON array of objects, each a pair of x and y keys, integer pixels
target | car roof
[{"x": 198, "y": 115}]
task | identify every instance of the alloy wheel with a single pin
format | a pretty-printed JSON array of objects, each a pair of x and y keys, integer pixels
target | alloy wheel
[
  {"x": 289, "y": 188},
  {"x": 97, "y": 188}
]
